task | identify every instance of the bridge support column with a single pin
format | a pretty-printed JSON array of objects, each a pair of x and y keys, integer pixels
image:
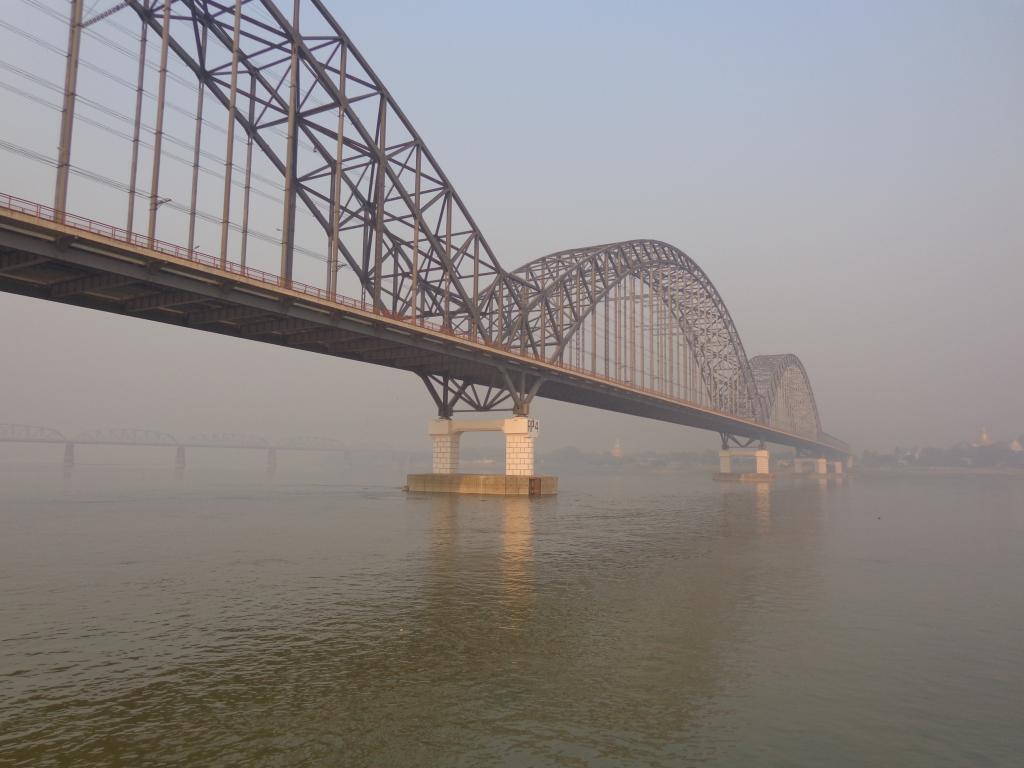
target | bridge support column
[
  {"x": 761, "y": 462},
  {"x": 446, "y": 446},
  {"x": 69, "y": 454},
  {"x": 804, "y": 466},
  {"x": 518, "y": 480},
  {"x": 725, "y": 462},
  {"x": 520, "y": 434},
  {"x": 726, "y": 470},
  {"x": 837, "y": 467}
]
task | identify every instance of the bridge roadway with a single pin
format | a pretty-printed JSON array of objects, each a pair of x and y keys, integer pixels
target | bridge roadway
[{"x": 73, "y": 260}]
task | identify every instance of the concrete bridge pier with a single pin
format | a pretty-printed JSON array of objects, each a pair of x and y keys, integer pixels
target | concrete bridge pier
[
  {"x": 805, "y": 466},
  {"x": 727, "y": 470},
  {"x": 520, "y": 433},
  {"x": 179, "y": 463},
  {"x": 69, "y": 454},
  {"x": 445, "y": 454},
  {"x": 837, "y": 467}
]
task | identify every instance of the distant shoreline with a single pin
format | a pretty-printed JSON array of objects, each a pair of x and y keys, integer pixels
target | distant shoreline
[{"x": 942, "y": 471}]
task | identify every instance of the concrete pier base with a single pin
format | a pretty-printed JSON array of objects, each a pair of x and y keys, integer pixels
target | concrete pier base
[
  {"x": 519, "y": 480},
  {"x": 520, "y": 435},
  {"x": 744, "y": 477},
  {"x": 487, "y": 485},
  {"x": 761, "y": 473},
  {"x": 446, "y": 446},
  {"x": 803, "y": 466}
]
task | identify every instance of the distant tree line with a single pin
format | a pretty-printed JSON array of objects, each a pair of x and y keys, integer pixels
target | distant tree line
[{"x": 1003, "y": 454}]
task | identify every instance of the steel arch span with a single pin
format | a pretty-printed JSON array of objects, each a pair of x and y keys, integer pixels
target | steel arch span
[
  {"x": 646, "y": 311},
  {"x": 236, "y": 115},
  {"x": 642, "y": 310},
  {"x": 788, "y": 399}
]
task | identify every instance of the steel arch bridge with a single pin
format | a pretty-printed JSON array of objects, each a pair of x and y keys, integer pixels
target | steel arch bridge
[{"x": 226, "y": 117}]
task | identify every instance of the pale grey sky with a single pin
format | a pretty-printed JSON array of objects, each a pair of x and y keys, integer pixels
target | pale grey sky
[{"x": 850, "y": 176}]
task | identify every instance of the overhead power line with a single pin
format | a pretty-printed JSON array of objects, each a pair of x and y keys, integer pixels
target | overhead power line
[{"x": 120, "y": 186}]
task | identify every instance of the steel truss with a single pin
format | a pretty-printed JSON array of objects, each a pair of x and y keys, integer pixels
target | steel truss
[
  {"x": 578, "y": 291},
  {"x": 284, "y": 86},
  {"x": 350, "y": 157},
  {"x": 506, "y": 392},
  {"x": 732, "y": 441},
  {"x": 786, "y": 393}
]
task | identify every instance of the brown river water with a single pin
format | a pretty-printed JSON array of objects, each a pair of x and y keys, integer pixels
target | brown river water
[{"x": 329, "y": 619}]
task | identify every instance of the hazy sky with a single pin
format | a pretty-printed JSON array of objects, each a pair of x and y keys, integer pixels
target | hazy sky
[{"x": 850, "y": 176}]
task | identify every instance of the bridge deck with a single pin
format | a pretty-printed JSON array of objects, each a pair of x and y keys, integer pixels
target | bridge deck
[{"x": 85, "y": 263}]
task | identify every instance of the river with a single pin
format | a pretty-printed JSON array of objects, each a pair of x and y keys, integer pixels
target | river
[{"x": 329, "y": 618}]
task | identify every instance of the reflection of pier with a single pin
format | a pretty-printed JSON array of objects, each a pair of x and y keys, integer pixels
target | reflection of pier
[
  {"x": 517, "y": 551},
  {"x": 763, "y": 507},
  {"x": 500, "y": 564},
  {"x": 148, "y": 438}
]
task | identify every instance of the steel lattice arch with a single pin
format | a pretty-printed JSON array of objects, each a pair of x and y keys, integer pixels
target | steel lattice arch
[{"x": 233, "y": 116}]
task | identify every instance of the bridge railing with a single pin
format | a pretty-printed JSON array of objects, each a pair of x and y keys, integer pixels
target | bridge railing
[{"x": 73, "y": 221}]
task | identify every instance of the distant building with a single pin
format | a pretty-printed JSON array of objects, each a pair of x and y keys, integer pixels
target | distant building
[
  {"x": 617, "y": 449},
  {"x": 1015, "y": 446},
  {"x": 983, "y": 438}
]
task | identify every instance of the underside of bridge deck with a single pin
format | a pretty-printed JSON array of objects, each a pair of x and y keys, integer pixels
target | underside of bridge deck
[{"x": 62, "y": 272}]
